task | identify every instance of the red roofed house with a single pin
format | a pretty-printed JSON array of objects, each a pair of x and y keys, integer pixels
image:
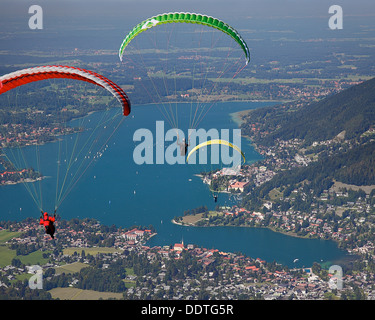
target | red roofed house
[
  {"x": 238, "y": 185},
  {"x": 133, "y": 234},
  {"x": 178, "y": 247}
]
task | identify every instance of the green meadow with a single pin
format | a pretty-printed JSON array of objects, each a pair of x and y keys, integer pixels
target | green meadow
[{"x": 7, "y": 255}]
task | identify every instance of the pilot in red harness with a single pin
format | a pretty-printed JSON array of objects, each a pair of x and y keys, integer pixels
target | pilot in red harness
[{"x": 47, "y": 222}]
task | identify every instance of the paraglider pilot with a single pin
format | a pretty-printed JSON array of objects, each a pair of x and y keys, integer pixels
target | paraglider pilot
[
  {"x": 183, "y": 146},
  {"x": 215, "y": 197},
  {"x": 47, "y": 222}
]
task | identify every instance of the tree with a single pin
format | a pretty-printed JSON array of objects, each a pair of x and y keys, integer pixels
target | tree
[
  {"x": 305, "y": 223},
  {"x": 297, "y": 228},
  {"x": 16, "y": 263}
]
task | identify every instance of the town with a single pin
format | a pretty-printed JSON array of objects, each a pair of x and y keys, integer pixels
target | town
[
  {"x": 341, "y": 212},
  {"x": 174, "y": 272}
]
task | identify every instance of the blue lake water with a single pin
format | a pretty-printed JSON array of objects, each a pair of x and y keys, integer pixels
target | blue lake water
[{"x": 115, "y": 190}]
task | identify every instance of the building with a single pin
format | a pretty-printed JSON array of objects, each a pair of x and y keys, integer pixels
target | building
[
  {"x": 238, "y": 185},
  {"x": 135, "y": 234},
  {"x": 178, "y": 247}
]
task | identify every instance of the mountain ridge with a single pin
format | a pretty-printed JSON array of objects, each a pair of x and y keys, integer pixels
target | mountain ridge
[{"x": 352, "y": 111}]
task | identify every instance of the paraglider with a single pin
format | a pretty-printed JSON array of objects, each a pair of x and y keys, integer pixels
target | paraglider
[
  {"x": 21, "y": 77},
  {"x": 183, "y": 146},
  {"x": 48, "y": 223},
  {"x": 185, "y": 17},
  {"x": 180, "y": 59},
  {"x": 79, "y": 159},
  {"x": 215, "y": 197},
  {"x": 215, "y": 192},
  {"x": 215, "y": 141}
]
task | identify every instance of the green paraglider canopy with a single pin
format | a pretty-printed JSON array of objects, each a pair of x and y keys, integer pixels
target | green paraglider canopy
[{"x": 185, "y": 17}]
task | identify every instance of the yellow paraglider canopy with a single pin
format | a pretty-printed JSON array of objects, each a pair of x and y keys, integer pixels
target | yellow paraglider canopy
[{"x": 215, "y": 141}]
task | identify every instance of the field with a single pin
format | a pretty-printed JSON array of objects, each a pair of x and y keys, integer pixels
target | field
[
  {"x": 80, "y": 294},
  {"x": 339, "y": 185},
  {"x": 35, "y": 257},
  {"x": 6, "y": 235},
  {"x": 275, "y": 194},
  {"x": 91, "y": 251},
  {"x": 7, "y": 255},
  {"x": 130, "y": 283},
  {"x": 194, "y": 218},
  {"x": 70, "y": 268}
]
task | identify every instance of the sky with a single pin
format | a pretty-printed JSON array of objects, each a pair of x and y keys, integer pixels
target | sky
[
  {"x": 69, "y": 14},
  {"x": 101, "y": 23},
  {"x": 222, "y": 8}
]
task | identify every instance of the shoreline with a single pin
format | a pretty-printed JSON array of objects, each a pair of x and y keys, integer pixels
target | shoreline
[
  {"x": 352, "y": 255},
  {"x": 217, "y": 102},
  {"x": 237, "y": 117},
  {"x": 291, "y": 234},
  {"x": 27, "y": 180}
]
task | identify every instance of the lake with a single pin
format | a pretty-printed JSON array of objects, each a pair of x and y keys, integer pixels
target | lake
[{"x": 115, "y": 190}]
